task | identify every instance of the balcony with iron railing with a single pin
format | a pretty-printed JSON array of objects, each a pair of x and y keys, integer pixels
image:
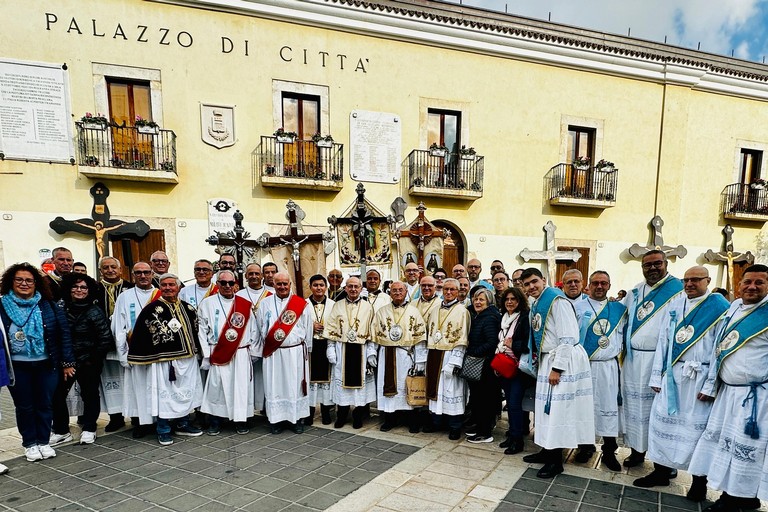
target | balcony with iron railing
[
  {"x": 126, "y": 152},
  {"x": 309, "y": 164},
  {"x": 585, "y": 187},
  {"x": 743, "y": 201},
  {"x": 449, "y": 175}
]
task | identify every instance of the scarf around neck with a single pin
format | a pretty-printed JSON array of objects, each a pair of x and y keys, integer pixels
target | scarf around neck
[{"x": 26, "y": 317}]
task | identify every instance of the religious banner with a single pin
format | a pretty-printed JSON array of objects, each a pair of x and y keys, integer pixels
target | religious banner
[
  {"x": 421, "y": 243},
  {"x": 311, "y": 258}
]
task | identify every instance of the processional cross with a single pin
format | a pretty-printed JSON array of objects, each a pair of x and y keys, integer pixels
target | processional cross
[
  {"x": 550, "y": 255},
  {"x": 100, "y": 224},
  {"x": 294, "y": 238},
  {"x": 728, "y": 256},
  {"x": 361, "y": 220},
  {"x": 657, "y": 243},
  {"x": 421, "y": 232},
  {"x": 237, "y": 238}
]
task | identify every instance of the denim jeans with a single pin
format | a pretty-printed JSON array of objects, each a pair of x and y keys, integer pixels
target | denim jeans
[
  {"x": 33, "y": 396},
  {"x": 164, "y": 425},
  {"x": 514, "y": 390}
]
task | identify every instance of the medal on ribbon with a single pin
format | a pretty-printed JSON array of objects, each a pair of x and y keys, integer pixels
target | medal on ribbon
[
  {"x": 396, "y": 333},
  {"x": 20, "y": 336},
  {"x": 279, "y": 335},
  {"x": 352, "y": 336},
  {"x": 174, "y": 325},
  {"x": 230, "y": 334},
  {"x": 437, "y": 336}
]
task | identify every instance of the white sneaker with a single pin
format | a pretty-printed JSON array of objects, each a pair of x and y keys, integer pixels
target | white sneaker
[
  {"x": 59, "y": 438},
  {"x": 87, "y": 437},
  {"x": 3, "y": 469},
  {"x": 46, "y": 451},
  {"x": 33, "y": 454}
]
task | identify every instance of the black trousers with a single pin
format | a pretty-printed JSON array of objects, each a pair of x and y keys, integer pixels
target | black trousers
[{"x": 89, "y": 379}]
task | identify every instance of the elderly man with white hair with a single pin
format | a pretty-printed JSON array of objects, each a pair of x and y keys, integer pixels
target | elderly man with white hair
[{"x": 285, "y": 328}]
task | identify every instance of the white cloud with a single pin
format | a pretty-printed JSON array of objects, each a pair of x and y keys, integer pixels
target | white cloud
[{"x": 719, "y": 25}]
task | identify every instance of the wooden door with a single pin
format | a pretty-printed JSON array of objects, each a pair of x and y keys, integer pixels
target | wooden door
[
  {"x": 738, "y": 273},
  {"x": 132, "y": 250},
  {"x": 127, "y": 101},
  {"x": 581, "y": 265},
  {"x": 453, "y": 247},
  {"x": 301, "y": 114}
]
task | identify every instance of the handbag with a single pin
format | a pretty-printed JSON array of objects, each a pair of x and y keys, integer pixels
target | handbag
[
  {"x": 416, "y": 389},
  {"x": 505, "y": 365},
  {"x": 526, "y": 365},
  {"x": 472, "y": 369}
]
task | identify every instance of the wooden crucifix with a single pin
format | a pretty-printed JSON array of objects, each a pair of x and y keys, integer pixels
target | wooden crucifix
[
  {"x": 237, "y": 239},
  {"x": 728, "y": 256},
  {"x": 100, "y": 225},
  {"x": 657, "y": 243},
  {"x": 421, "y": 232},
  {"x": 294, "y": 238},
  {"x": 550, "y": 255},
  {"x": 362, "y": 220}
]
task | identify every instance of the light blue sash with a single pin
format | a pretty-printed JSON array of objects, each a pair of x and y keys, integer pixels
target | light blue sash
[
  {"x": 541, "y": 310},
  {"x": 613, "y": 312},
  {"x": 733, "y": 337},
  {"x": 701, "y": 318},
  {"x": 659, "y": 296}
]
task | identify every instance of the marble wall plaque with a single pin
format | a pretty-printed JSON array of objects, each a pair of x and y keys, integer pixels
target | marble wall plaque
[{"x": 375, "y": 146}]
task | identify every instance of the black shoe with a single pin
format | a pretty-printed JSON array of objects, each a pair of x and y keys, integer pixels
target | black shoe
[
  {"x": 658, "y": 477},
  {"x": 342, "y": 413},
  {"x": 309, "y": 420},
  {"x": 634, "y": 459},
  {"x": 274, "y": 428},
  {"x": 298, "y": 427},
  {"x": 116, "y": 422},
  {"x": 516, "y": 446},
  {"x": 609, "y": 459},
  {"x": 672, "y": 473},
  {"x": 537, "y": 458},
  {"x": 386, "y": 427},
  {"x": 584, "y": 454},
  {"x": 550, "y": 470},
  {"x": 506, "y": 443},
  {"x": 325, "y": 414},
  {"x": 357, "y": 417},
  {"x": 722, "y": 505},
  {"x": 698, "y": 490},
  {"x": 747, "y": 503},
  {"x": 139, "y": 431},
  {"x": 430, "y": 428},
  {"x": 454, "y": 434}
]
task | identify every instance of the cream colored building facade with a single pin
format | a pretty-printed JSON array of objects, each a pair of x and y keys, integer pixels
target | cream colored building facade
[{"x": 529, "y": 96}]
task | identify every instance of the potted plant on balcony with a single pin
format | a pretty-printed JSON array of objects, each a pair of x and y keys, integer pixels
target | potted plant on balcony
[
  {"x": 467, "y": 153},
  {"x": 337, "y": 177},
  {"x": 418, "y": 181},
  {"x": 94, "y": 122},
  {"x": 284, "y": 137},
  {"x": 167, "y": 165},
  {"x": 322, "y": 142},
  {"x": 438, "y": 150},
  {"x": 581, "y": 163},
  {"x": 269, "y": 170},
  {"x": 146, "y": 126},
  {"x": 758, "y": 184},
  {"x": 605, "y": 166}
]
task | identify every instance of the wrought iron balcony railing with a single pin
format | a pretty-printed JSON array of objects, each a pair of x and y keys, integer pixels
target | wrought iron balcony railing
[
  {"x": 565, "y": 184},
  {"x": 126, "y": 147},
  {"x": 743, "y": 201},
  {"x": 300, "y": 163},
  {"x": 451, "y": 175}
]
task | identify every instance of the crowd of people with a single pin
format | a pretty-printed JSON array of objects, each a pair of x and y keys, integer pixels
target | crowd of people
[{"x": 675, "y": 369}]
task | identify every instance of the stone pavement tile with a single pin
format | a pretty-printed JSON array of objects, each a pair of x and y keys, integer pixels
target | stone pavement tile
[
  {"x": 265, "y": 467},
  {"x": 470, "y": 504},
  {"x": 503, "y": 477},
  {"x": 360, "y": 476},
  {"x": 568, "y": 493},
  {"x": 318, "y": 500},
  {"x": 630, "y": 505},
  {"x": 191, "y": 482},
  {"x": 297, "y": 508},
  {"x": 641, "y": 494},
  {"x": 442, "y": 481},
  {"x": 407, "y": 503},
  {"x": 267, "y": 484},
  {"x": 185, "y": 502},
  {"x": 594, "y": 508},
  {"x": 340, "y": 487},
  {"x": 681, "y": 502},
  {"x": 571, "y": 481},
  {"x": 550, "y": 504},
  {"x": 129, "y": 505},
  {"x": 488, "y": 493},
  {"x": 605, "y": 487},
  {"x": 102, "y": 500},
  {"x": 468, "y": 461},
  {"x": 161, "y": 494},
  {"x": 310, "y": 463},
  {"x": 512, "y": 507},
  {"x": 362, "y": 499},
  {"x": 215, "y": 489},
  {"x": 288, "y": 474},
  {"x": 22, "y": 497},
  {"x": 314, "y": 480},
  {"x": 404, "y": 448},
  {"x": 83, "y": 492},
  {"x": 395, "y": 478},
  {"x": 292, "y": 492},
  {"x": 486, "y": 451},
  {"x": 333, "y": 470},
  {"x": 602, "y": 499},
  {"x": 47, "y": 503},
  {"x": 431, "y": 493},
  {"x": 265, "y": 504},
  {"x": 239, "y": 497},
  {"x": 352, "y": 461},
  {"x": 520, "y": 497},
  {"x": 392, "y": 456},
  {"x": 539, "y": 486},
  {"x": 71, "y": 507},
  {"x": 287, "y": 458},
  {"x": 446, "y": 468}
]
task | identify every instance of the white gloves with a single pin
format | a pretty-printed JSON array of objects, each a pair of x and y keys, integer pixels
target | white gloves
[
  {"x": 330, "y": 353},
  {"x": 206, "y": 364},
  {"x": 372, "y": 362},
  {"x": 420, "y": 367}
]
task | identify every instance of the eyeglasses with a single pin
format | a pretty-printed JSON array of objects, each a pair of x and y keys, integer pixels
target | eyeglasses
[
  {"x": 653, "y": 264},
  {"x": 439, "y": 276},
  {"x": 412, "y": 270},
  {"x": 142, "y": 272},
  {"x": 496, "y": 267},
  {"x": 159, "y": 261},
  {"x": 80, "y": 287},
  {"x": 333, "y": 276},
  {"x": 226, "y": 283},
  {"x": 694, "y": 280},
  {"x": 21, "y": 280},
  {"x": 473, "y": 266},
  {"x": 201, "y": 269}
]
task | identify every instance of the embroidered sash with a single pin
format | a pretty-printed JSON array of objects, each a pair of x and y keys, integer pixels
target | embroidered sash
[
  {"x": 733, "y": 337},
  {"x": 284, "y": 324},
  {"x": 539, "y": 315},
  {"x": 695, "y": 325},
  {"x": 232, "y": 332},
  {"x": 659, "y": 296},
  {"x": 596, "y": 332}
]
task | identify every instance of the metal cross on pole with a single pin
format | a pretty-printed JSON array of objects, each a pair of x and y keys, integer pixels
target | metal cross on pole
[
  {"x": 550, "y": 255},
  {"x": 728, "y": 256},
  {"x": 421, "y": 232},
  {"x": 238, "y": 239},
  {"x": 294, "y": 238},
  {"x": 100, "y": 225},
  {"x": 361, "y": 220},
  {"x": 657, "y": 243}
]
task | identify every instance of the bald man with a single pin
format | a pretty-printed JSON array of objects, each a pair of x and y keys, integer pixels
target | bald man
[{"x": 474, "y": 267}]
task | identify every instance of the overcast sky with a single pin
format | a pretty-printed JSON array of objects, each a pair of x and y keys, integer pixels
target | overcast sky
[{"x": 721, "y": 26}]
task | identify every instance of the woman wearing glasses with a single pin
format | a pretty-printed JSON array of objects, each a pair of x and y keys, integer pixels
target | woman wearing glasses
[
  {"x": 91, "y": 340},
  {"x": 40, "y": 349}
]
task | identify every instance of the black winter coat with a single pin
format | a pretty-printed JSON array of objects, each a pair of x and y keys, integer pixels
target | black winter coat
[
  {"x": 91, "y": 335},
  {"x": 484, "y": 333}
]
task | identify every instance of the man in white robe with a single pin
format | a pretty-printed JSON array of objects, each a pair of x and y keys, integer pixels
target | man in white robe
[
  {"x": 602, "y": 325},
  {"x": 373, "y": 294},
  {"x": 203, "y": 287},
  {"x": 733, "y": 450},
  {"x": 164, "y": 341},
  {"x": 256, "y": 292},
  {"x": 228, "y": 334},
  {"x": 412, "y": 274},
  {"x": 646, "y": 313},
  {"x": 400, "y": 333},
  {"x": 564, "y": 410},
  {"x": 447, "y": 329},
  {"x": 573, "y": 286},
  {"x": 429, "y": 299},
  {"x": 127, "y": 308},
  {"x": 352, "y": 354},
  {"x": 320, "y": 369},
  {"x": 285, "y": 340},
  {"x": 268, "y": 271},
  {"x": 686, "y": 345}
]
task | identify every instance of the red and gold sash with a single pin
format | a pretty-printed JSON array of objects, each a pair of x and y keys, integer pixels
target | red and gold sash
[
  {"x": 232, "y": 332},
  {"x": 284, "y": 325},
  {"x": 212, "y": 290}
]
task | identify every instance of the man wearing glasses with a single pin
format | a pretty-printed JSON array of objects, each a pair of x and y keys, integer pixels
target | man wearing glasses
[
  {"x": 440, "y": 275},
  {"x": 160, "y": 264},
  {"x": 335, "y": 290},
  {"x": 412, "y": 274},
  {"x": 647, "y": 306},
  {"x": 204, "y": 286},
  {"x": 227, "y": 332},
  {"x": 127, "y": 308},
  {"x": 473, "y": 273}
]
